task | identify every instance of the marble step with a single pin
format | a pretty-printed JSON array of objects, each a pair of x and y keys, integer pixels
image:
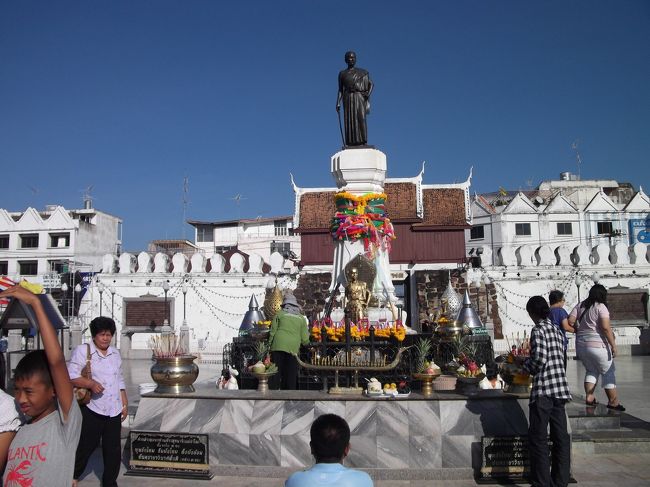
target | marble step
[{"x": 588, "y": 418}]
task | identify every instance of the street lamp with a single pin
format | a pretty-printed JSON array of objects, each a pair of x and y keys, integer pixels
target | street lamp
[
  {"x": 578, "y": 284},
  {"x": 184, "y": 289},
  {"x": 165, "y": 287},
  {"x": 100, "y": 288},
  {"x": 112, "y": 290},
  {"x": 185, "y": 335}
]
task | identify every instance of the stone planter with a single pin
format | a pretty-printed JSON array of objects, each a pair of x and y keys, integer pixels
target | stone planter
[{"x": 174, "y": 375}]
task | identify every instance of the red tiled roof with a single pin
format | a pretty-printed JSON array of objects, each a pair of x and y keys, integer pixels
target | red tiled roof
[
  {"x": 444, "y": 206},
  {"x": 401, "y": 201},
  {"x": 316, "y": 210}
]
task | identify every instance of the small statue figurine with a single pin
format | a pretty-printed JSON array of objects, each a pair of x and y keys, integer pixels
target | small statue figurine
[
  {"x": 228, "y": 379},
  {"x": 357, "y": 297}
]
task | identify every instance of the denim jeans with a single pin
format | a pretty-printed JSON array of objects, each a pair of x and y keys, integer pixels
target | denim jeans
[{"x": 545, "y": 411}]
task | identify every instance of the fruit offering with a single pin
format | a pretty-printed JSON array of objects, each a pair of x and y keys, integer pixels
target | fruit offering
[
  {"x": 403, "y": 387},
  {"x": 431, "y": 368}
]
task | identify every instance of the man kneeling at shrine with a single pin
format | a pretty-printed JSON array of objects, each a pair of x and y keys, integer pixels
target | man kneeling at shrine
[{"x": 330, "y": 444}]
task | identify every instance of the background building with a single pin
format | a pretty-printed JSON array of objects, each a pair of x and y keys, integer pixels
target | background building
[
  {"x": 42, "y": 245},
  {"x": 565, "y": 212},
  {"x": 261, "y": 236}
]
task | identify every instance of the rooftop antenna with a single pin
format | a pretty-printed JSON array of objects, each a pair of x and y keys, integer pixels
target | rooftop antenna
[
  {"x": 87, "y": 197},
  {"x": 186, "y": 190},
  {"x": 237, "y": 199},
  {"x": 574, "y": 146}
]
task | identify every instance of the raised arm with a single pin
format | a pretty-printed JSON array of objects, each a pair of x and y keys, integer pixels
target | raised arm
[{"x": 55, "y": 358}]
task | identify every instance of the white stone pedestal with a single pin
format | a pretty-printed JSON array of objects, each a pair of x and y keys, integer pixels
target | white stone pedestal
[{"x": 361, "y": 171}]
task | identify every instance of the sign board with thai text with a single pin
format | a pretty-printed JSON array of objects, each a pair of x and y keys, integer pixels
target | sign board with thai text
[
  {"x": 180, "y": 455},
  {"x": 504, "y": 458}
]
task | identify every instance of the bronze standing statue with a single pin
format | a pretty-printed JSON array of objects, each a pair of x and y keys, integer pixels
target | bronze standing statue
[
  {"x": 357, "y": 297},
  {"x": 354, "y": 91}
]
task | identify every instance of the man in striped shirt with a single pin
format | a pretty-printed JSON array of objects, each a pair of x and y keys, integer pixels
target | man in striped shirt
[{"x": 549, "y": 394}]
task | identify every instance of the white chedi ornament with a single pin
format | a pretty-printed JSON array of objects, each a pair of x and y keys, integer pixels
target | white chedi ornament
[{"x": 454, "y": 302}]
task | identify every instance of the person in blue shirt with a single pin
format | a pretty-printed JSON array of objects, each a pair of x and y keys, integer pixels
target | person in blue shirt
[
  {"x": 560, "y": 318},
  {"x": 330, "y": 444}
]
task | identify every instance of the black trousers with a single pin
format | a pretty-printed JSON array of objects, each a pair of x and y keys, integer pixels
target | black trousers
[
  {"x": 545, "y": 411},
  {"x": 93, "y": 428},
  {"x": 287, "y": 368}
]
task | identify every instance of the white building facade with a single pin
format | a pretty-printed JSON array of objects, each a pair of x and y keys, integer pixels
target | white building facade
[
  {"x": 260, "y": 236},
  {"x": 41, "y": 245},
  {"x": 565, "y": 235},
  {"x": 564, "y": 213}
]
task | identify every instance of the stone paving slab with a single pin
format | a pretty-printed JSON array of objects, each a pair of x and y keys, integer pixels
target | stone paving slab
[{"x": 591, "y": 469}]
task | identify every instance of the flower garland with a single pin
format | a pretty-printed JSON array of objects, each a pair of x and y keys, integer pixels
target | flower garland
[
  {"x": 362, "y": 217},
  {"x": 336, "y": 331}
]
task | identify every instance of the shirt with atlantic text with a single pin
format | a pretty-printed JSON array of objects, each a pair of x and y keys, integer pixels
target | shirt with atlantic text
[{"x": 42, "y": 453}]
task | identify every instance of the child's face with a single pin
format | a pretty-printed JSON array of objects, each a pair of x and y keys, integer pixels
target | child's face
[{"x": 35, "y": 398}]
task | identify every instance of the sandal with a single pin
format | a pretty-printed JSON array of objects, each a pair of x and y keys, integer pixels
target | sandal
[
  {"x": 592, "y": 403},
  {"x": 618, "y": 407}
]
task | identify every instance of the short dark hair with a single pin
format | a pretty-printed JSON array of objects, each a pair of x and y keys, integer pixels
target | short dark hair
[
  {"x": 34, "y": 363},
  {"x": 538, "y": 306},
  {"x": 491, "y": 370},
  {"x": 555, "y": 296},
  {"x": 330, "y": 436},
  {"x": 102, "y": 323}
]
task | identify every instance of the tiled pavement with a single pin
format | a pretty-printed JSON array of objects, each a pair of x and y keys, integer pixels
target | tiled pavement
[{"x": 628, "y": 469}]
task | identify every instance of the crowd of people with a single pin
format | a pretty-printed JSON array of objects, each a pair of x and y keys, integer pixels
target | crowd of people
[{"x": 52, "y": 447}]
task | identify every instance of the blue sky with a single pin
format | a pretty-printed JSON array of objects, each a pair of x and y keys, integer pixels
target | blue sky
[{"x": 133, "y": 96}]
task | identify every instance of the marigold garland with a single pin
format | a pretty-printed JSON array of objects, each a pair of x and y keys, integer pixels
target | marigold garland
[
  {"x": 336, "y": 331},
  {"x": 362, "y": 217}
]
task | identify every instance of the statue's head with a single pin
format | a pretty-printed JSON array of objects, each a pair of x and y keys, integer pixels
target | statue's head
[
  {"x": 354, "y": 273},
  {"x": 350, "y": 58}
]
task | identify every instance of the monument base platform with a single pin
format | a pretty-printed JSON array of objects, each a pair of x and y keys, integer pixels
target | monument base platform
[{"x": 253, "y": 434}]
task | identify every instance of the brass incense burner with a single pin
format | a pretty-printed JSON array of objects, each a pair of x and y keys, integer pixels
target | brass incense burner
[{"x": 347, "y": 363}]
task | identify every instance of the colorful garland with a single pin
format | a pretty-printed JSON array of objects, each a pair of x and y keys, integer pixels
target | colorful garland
[
  {"x": 362, "y": 217},
  {"x": 336, "y": 331}
]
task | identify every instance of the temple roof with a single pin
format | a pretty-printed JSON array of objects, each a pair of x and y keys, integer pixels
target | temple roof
[{"x": 407, "y": 201}]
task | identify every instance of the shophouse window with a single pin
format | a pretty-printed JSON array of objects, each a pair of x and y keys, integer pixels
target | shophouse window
[
  {"x": 280, "y": 228},
  {"x": 57, "y": 266},
  {"x": 605, "y": 228},
  {"x": 477, "y": 232},
  {"x": 4, "y": 267},
  {"x": 204, "y": 233},
  {"x": 522, "y": 229},
  {"x": 222, "y": 249},
  {"x": 59, "y": 240},
  {"x": 282, "y": 247},
  {"x": 564, "y": 229},
  {"x": 4, "y": 241},
  {"x": 28, "y": 267},
  {"x": 29, "y": 240}
]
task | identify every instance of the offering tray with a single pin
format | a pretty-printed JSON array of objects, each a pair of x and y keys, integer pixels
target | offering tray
[
  {"x": 427, "y": 382},
  {"x": 350, "y": 366}
]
